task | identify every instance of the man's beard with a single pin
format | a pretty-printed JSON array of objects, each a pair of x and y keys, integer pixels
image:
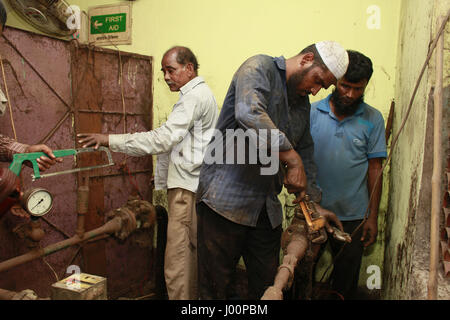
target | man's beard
[
  {"x": 292, "y": 83},
  {"x": 341, "y": 108}
]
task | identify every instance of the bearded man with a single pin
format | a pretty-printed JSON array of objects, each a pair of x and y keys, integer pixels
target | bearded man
[
  {"x": 349, "y": 147},
  {"x": 239, "y": 214}
]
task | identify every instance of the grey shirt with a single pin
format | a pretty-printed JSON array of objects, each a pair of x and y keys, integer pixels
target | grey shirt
[{"x": 256, "y": 99}]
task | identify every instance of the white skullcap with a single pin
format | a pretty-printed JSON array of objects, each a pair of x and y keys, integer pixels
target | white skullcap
[{"x": 334, "y": 56}]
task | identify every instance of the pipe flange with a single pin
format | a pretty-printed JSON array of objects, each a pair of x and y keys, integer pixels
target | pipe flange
[{"x": 25, "y": 295}]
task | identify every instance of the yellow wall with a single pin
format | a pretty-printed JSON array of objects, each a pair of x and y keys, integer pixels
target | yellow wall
[
  {"x": 408, "y": 220},
  {"x": 224, "y": 33}
]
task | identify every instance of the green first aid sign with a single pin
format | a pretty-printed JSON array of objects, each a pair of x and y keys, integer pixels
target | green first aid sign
[{"x": 109, "y": 23}]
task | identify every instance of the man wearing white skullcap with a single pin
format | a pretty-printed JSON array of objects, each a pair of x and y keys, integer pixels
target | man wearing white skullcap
[
  {"x": 238, "y": 210},
  {"x": 334, "y": 57}
]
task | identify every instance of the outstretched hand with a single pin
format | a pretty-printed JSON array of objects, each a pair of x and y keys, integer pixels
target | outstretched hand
[{"x": 93, "y": 139}]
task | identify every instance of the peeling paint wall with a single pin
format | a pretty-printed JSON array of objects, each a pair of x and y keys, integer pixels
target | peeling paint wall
[
  {"x": 46, "y": 80},
  {"x": 407, "y": 221},
  {"x": 224, "y": 34}
]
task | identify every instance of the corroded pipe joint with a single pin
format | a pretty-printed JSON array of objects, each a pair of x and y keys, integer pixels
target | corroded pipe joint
[
  {"x": 83, "y": 199},
  {"x": 144, "y": 211},
  {"x": 6, "y": 294},
  {"x": 82, "y": 208},
  {"x": 36, "y": 233},
  {"x": 31, "y": 231},
  {"x": 22, "y": 295},
  {"x": 127, "y": 222},
  {"x": 289, "y": 262},
  {"x": 134, "y": 215},
  {"x": 25, "y": 295},
  {"x": 295, "y": 243},
  {"x": 297, "y": 231}
]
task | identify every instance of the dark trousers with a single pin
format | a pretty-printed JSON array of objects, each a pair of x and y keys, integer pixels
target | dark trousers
[
  {"x": 221, "y": 243},
  {"x": 345, "y": 276}
]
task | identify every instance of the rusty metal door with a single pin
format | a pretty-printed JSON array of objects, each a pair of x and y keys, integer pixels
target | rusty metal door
[{"x": 58, "y": 89}]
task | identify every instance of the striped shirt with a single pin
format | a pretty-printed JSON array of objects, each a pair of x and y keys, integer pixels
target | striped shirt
[{"x": 8, "y": 147}]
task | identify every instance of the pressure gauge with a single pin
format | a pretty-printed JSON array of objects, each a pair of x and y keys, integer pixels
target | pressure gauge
[{"x": 37, "y": 202}]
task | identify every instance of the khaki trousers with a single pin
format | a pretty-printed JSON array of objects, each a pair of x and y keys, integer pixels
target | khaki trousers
[{"x": 180, "y": 265}]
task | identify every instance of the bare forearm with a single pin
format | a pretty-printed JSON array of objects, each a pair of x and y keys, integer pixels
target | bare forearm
[{"x": 374, "y": 184}]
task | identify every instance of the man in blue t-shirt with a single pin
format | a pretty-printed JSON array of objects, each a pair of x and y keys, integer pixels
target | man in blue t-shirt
[{"x": 349, "y": 147}]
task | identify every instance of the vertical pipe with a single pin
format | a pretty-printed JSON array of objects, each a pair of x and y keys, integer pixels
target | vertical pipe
[
  {"x": 437, "y": 170},
  {"x": 82, "y": 208}
]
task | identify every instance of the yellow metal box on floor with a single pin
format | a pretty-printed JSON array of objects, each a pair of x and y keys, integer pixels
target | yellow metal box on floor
[{"x": 81, "y": 286}]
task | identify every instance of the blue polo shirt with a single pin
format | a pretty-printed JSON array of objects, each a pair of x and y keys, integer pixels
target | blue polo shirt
[{"x": 341, "y": 152}]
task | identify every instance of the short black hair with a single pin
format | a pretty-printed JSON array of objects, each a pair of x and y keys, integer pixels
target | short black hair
[
  {"x": 359, "y": 67},
  {"x": 185, "y": 56},
  {"x": 317, "y": 58},
  {"x": 3, "y": 15}
]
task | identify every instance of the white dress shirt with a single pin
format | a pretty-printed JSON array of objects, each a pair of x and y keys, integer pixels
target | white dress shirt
[{"x": 184, "y": 135}]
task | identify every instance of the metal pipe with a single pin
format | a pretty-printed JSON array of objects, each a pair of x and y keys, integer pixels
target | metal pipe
[
  {"x": 82, "y": 208},
  {"x": 22, "y": 295},
  {"x": 6, "y": 294},
  {"x": 109, "y": 227},
  {"x": 296, "y": 250},
  {"x": 295, "y": 243},
  {"x": 437, "y": 170}
]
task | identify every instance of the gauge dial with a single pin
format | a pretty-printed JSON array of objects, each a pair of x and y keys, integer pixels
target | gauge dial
[{"x": 37, "y": 202}]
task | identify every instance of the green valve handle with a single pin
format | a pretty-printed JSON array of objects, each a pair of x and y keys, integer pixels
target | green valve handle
[{"x": 19, "y": 158}]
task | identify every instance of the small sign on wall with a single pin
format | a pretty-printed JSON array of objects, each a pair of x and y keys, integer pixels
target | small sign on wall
[{"x": 110, "y": 24}]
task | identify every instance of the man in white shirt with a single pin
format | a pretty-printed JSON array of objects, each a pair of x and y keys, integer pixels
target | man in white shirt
[{"x": 184, "y": 136}]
